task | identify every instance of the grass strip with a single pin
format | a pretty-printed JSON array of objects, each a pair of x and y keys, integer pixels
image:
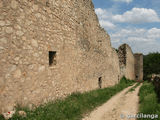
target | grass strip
[
  {"x": 148, "y": 102},
  {"x": 74, "y": 106},
  {"x": 133, "y": 88}
]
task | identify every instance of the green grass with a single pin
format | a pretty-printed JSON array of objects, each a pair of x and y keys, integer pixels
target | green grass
[
  {"x": 148, "y": 101},
  {"x": 133, "y": 88},
  {"x": 74, "y": 106}
]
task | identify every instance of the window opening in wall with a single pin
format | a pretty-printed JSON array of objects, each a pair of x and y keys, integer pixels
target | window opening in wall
[
  {"x": 136, "y": 76},
  {"x": 52, "y": 58},
  {"x": 100, "y": 82},
  {"x": 118, "y": 78}
]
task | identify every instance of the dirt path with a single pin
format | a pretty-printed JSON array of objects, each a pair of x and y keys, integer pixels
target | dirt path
[{"x": 119, "y": 107}]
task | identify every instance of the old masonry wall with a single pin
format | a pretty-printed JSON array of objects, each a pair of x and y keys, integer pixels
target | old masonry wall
[
  {"x": 51, "y": 48},
  {"x": 126, "y": 62}
]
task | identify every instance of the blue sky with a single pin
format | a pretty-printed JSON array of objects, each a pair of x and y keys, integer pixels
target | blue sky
[{"x": 135, "y": 22}]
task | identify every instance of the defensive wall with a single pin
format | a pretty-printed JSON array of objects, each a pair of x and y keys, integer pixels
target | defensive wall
[{"x": 52, "y": 48}]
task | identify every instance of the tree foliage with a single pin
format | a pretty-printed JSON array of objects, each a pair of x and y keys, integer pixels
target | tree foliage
[{"x": 151, "y": 64}]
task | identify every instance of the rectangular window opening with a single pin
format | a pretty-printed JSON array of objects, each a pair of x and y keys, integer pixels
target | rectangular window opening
[{"x": 52, "y": 58}]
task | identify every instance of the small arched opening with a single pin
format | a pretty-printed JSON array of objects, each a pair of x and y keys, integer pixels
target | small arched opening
[{"x": 100, "y": 82}]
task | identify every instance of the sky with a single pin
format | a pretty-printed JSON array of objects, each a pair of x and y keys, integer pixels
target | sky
[{"x": 135, "y": 22}]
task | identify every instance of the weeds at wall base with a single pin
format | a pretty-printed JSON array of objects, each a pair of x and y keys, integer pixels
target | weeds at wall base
[{"x": 74, "y": 106}]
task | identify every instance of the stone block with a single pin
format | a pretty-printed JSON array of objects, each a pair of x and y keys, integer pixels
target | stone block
[
  {"x": 14, "y": 4},
  {"x": 2, "y": 23},
  {"x": 9, "y": 30}
]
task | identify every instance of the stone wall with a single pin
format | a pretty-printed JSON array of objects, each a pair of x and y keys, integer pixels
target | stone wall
[
  {"x": 139, "y": 66},
  {"x": 51, "y": 48},
  {"x": 126, "y": 62}
]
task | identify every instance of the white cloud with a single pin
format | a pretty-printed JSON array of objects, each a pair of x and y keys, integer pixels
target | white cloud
[
  {"x": 105, "y": 18},
  {"x": 137, "y": 15},
  {"x": 127, "y": 1},
  {"x": 137, "y": 34},
  {"x": 140, "y": 40},
  {"x": 100, "y": 11},
  {"x": 154, "y": 33},
  {"x": 107, "y": 24},
  {"x": 103, "y": 14}
]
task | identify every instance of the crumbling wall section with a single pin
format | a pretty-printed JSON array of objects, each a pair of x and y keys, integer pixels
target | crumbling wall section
[
  {"x": 122, "y": 59},
  {"x": 126, "y": 62},
  {"x": 138, "y": 66}
]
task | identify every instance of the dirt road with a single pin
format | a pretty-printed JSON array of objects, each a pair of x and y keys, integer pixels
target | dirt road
[{"x": 119, "y": 107}]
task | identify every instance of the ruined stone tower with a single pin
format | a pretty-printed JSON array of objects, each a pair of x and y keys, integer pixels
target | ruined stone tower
[
  {"x": 126, "y": 62},
  {"x": 139, "y": 66},
  {"x": 131, "y": 65}
]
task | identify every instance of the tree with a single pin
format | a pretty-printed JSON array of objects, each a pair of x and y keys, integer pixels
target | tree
[{"x": 151, "y": 64}]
